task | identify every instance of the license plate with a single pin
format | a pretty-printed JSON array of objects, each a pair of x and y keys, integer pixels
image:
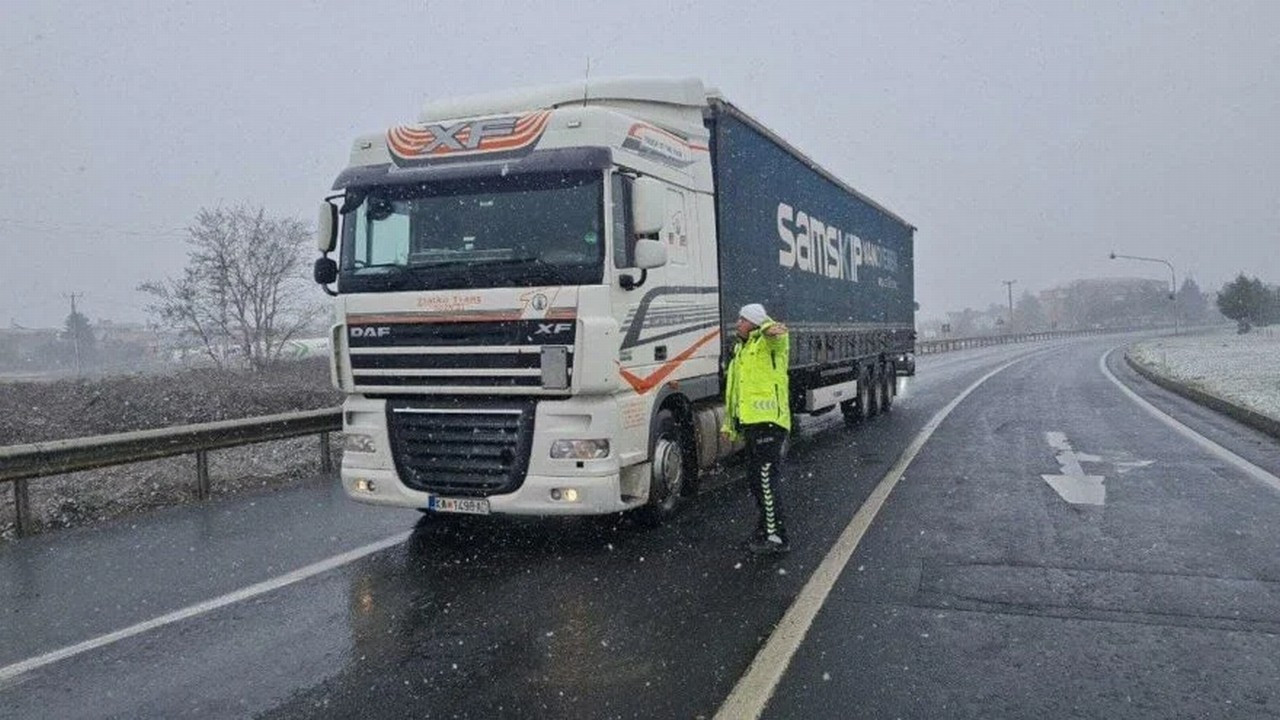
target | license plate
[{"x": 470, "y": 506}]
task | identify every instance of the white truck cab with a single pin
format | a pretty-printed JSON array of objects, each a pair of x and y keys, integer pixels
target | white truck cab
[{"x": 521, "y": 276}]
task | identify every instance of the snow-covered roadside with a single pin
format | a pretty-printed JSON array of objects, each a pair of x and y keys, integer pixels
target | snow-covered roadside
[
  {"x": 56, "y": 409},
  {"x": 1242, "y": 369}
]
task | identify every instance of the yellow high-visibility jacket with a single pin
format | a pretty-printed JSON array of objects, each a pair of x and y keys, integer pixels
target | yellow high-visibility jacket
[{"x": 756, "y": 385}]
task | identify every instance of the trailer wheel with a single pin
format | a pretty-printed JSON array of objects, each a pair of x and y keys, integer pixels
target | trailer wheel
[
  {"x": 668, "y": 472},
  {"x": 849, "y": 408},
  {"x": 859, "y": 408},
  {"x": 890, "y": 386},
  {"x": 875, "y": 382}
]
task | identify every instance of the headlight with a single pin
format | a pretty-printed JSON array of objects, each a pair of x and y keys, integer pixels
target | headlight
[
  {"x": 579, "y": 449},
  {"x": 358, "y": 443}
]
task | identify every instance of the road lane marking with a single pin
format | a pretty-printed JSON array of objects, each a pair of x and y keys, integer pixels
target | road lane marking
[
  {"x": 9, "y": 672},
  {"x": 754, "y": 689},
  {"x": 1073, "y": 485},
  {"x": 1222, "y": 453}
]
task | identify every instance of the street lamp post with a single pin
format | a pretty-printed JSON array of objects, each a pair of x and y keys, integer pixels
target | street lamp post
[{"x": 1173, "y": 281}]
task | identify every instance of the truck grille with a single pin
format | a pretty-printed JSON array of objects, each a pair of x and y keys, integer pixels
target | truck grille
[
  {"x": 474, "y": 451},
  {"x": 519, "y": 368},
  {"x": 466, "y": 357}
]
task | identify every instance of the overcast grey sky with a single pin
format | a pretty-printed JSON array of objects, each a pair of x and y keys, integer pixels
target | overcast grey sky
[{"x": 1025, "y": 140}]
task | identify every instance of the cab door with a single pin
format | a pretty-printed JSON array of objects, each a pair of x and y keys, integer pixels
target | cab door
[{"x": 666, "y": 320}]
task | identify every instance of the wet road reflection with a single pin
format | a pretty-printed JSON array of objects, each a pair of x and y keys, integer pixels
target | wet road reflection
[{"x": 535, "y": 605}]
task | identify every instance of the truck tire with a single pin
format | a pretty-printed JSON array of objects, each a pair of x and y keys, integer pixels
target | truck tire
[
  {"x": 669, "y": 469},
  {"x": 859, "y": 408},
  {"x": 890, "y": 386},
  {"x": 875, "y": 382},
  {"x": 849, "y": 408}
]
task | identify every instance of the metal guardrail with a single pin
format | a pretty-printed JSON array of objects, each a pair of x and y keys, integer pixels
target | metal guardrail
[
  {"x": 20, "y": 463},
  {"x": 932, "y": 347}
]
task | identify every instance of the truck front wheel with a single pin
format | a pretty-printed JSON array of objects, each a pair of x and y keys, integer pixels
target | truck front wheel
[{"x": 669, "y": 469}]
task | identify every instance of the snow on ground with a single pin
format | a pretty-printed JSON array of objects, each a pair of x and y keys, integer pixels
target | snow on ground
[
  {"x": 1244, "y": 369},
  {"x": 51, "y": 410}
]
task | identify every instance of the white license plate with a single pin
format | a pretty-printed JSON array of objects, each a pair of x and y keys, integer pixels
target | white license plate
[{"x": 470, "y": 506}]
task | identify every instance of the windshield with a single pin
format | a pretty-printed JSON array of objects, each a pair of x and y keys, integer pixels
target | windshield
[{"x": 491, "y": 232}]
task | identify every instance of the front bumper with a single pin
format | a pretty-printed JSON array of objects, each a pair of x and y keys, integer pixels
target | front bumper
[
  {"x": 597, "y": 495},
  {"x": 597, "y": 482}
]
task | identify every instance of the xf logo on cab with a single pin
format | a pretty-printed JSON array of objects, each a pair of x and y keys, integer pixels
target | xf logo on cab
[{"x": 553, "y": 328}]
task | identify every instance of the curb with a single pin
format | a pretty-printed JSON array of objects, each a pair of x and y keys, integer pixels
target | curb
[{"x": 1256, "y": 420}]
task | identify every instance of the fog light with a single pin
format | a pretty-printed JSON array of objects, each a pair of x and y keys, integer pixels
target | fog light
[
  {"x": 358, "y": 443},
  {"x": 579, "y": 449},
  {"x": 564, "y": 495},
  {"x": 363, "y": 485}
]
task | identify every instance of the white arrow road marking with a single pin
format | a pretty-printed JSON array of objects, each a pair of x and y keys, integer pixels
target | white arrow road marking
[{"x": 1073, "y": 485}]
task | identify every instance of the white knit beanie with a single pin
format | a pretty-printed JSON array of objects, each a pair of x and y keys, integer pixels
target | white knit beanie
[{"x": 754, "y": 314}]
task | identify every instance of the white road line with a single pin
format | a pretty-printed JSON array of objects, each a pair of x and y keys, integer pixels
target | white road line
[
  {"x": 9, "y": 672},
  {"x": 1222, "y": 453},
  {"x": 752, "y": 693}
]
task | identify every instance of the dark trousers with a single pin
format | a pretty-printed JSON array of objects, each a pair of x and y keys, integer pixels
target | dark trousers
[{"x": 764, "y": 448}]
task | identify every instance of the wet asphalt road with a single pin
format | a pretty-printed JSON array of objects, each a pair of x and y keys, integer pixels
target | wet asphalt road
[{"x": 977, "y": 592}]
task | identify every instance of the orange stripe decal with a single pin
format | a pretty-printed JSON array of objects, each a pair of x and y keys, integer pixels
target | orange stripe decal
[
  {"x": 643, "y": 385},
  {"x": 410, "y": 142}
]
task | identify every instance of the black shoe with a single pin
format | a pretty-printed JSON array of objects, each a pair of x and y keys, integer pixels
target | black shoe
[{"x": 771, "y": 545}]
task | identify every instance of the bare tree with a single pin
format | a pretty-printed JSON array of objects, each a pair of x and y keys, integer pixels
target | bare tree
[{"x": 242, "y": 289}]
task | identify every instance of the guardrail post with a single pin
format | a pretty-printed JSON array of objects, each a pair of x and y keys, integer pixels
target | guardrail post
[
  {"x": 22, "y": 507},
  {"x": 326, "y": 458},
  {"x": 202, "y": 475}
]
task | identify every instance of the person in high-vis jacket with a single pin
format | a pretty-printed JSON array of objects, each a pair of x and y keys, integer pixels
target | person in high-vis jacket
[{"x": 758, "y": 409}]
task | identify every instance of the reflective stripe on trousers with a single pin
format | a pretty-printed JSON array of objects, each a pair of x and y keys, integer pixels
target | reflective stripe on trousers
[{"x": 764, "y": 446}]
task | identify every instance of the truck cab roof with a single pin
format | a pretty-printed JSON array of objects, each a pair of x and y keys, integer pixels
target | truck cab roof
[{"x": 685, "y": 92}]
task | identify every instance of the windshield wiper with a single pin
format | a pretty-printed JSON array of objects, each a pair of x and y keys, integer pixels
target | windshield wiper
[
  {"x": 404, "y": 274},
  {"x": 554, "y": 271}
]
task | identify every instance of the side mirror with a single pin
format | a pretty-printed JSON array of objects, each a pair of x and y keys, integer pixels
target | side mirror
[
  {"x": 650, "y": 254},
  {"x": 325, "y": 271},
  {"x": 327, "y": 227},
  {"x": 648, "y": 206}
]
